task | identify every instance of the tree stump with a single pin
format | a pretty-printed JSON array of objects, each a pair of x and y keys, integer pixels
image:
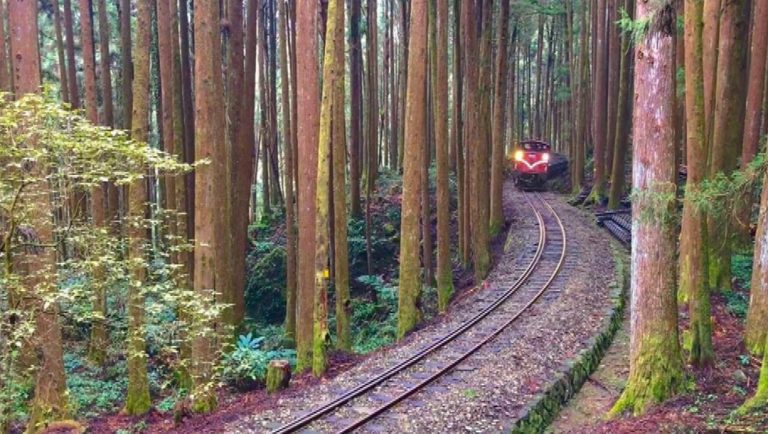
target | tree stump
[{"x": 278, "y": 375}]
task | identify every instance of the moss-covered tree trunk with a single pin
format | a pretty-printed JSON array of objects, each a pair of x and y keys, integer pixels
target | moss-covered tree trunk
[
  {"x": 137, "y": 399},
  {"x": 440, "y": 92},
  {"x": 307, "y": 127},
  {"x": 341, "y": 249},
  {"x": 210, "y": 194},
  {"x": 582, "y": 137},
  {"x": 693, "y": 238},
  {"x": 333, "y": 64},
  {"x": 499, "y": 115},
  {"x": 757, "y": 316},
  {"x": 408, "y": 307},
  {"x": 656, "y": 368},
  {"x": 727, "y": 130}
]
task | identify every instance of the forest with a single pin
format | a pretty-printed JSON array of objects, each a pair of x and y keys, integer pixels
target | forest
[{"x": 203, "y": 200}]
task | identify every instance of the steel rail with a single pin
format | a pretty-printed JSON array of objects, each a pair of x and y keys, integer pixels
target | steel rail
[
  {"x": 414, "y": 389},
  {"x": 361, "y": 389}
]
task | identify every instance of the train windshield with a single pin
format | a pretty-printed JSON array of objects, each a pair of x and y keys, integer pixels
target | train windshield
[{"x": 535, "y": 146}]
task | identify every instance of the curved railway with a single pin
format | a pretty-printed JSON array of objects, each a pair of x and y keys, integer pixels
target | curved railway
[{"x": 436, "y": 359}]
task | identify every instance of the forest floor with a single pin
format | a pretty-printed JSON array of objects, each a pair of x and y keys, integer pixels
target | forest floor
[{"x": 715, "y": 392}]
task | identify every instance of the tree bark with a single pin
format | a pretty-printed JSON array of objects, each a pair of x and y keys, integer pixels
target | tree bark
[
  {"x": 107, "y": 116},
  {"x": 210, "y": 192},
  {"x": 50, "y": 399},
  {"x": 137, "y": 400},
  {"x": 333, "y": 67},
  {"x": 656, "y": 370},
  {"x": 440, "y": 92},
  {"x": 600, "y": 113},
  {"x": 63, "y": 79},
  {"x": 307, "y": 127},
  {"x": 757, "y": 316},
  {"x": 623, "y": 122},
  {"x": 74, "y": 93},
  {"x": 356, "y": 96},
  {"x": 728, "y": 127},
  {"x": 408, "y": 308},
  {"x": 693, "y": 238},
  {"x": 499, "y": 107},
  {"x": 479, "y": 172},
  {"x": 290, "y": 207}
]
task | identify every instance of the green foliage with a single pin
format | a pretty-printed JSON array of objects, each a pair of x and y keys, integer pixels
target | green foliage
[
  {"x": 737, "y": 303},
  {"x": 741, "y": 268},
  {"x": 637, "y": 28},
  {"x": 91, "y": 390},
  {"x": 265, "y": 290},
  {"x": 374, "y": 321},
  {"x": 245, "y": 367}
]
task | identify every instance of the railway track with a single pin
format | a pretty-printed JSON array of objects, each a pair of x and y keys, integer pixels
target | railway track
[{"x": 504, "y": 305}]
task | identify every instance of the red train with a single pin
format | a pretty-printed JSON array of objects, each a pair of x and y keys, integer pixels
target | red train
[{"x": 534, "y": 163}]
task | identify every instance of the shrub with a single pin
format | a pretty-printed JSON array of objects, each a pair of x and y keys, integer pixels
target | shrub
[{"x": 245, "y": 367}]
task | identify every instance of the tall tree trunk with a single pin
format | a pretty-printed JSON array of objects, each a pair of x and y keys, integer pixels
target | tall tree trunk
[
  {"x": 710, "y": 37},
  {"x": 373, "y": 94},
  {"x": 308, "y": 130},
  {"x": 614, "y": 67},
  {"x": 239, "y": 163},
  {"x": 290, "y": 207},
  {"x": 408, "y": 308},
  {"x": 107, "y": 116},
  {"x": 479, "y": 172},
  {"x": 356, "y": 113},
  {"x": 728, "y": 127},
  {"x": 333, "y": 76},
  {"x": 600, "y": 112},
  {"x": 137, "y": 400},
  {"x": 127, "y": 63},
  {"x": 693, "y": 238},
  {"x": 656, "y": 368},
  {"x": 74, "y": 93},
  {"x": 577, "y": 178},
  {"x": 624, "y": 107},
  {"x": 188, "y": 114},
  {"x": 499, "y": 107},
  {"x": 63, "y": 79},
  {"x": 339, "y": 145},
  {"x": 754, "y": 100},
  {"x": 210, "y": 194},
  {"x": 457, "y": 128},
  {"x": 50, "y": 400},
  {"x": 757, "y": 316},
  {"x": 440, "y": 92}
]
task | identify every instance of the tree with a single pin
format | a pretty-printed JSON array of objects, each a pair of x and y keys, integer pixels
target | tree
[
  {"x": 600, "y": 113},
  {"x": 74, "y": 93},
  {"x": 500, "y": 104},
  {"x": 623, "y": 121},
  {"x": 307, "y": 127},
  {"x": 50, "y": 399},
  {"x": 107, "y": 116},
  {"x": 210, "y": 193},
  {"x": 356, "y": 112},
  {"x": 693, "y": 238},
  {"x": 63, "y": 80},
  {"x": 333, "y": 68},
  {"x": 440, "y": 92},
  {"x": 757, "y": 316},
  {"x": 137, "y": 400},
  {"x": 408, "y": 311},
  {"x": 727, "y": 130},
  {"x": 127, "y": 62},
  {"x": 656, "y": 370}
]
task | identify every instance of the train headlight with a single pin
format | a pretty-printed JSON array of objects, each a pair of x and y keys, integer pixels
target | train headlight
[
  {"x": 519, "y": 155},
  {"x": 545, "y": 157}
]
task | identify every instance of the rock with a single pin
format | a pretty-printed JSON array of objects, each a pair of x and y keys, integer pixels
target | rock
[
  {"x": 278, "y": 375},
  {"x": 739, "y": 376}
]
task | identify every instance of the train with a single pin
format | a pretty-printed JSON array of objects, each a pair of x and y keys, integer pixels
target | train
[{"x": 534, "y": 163}]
